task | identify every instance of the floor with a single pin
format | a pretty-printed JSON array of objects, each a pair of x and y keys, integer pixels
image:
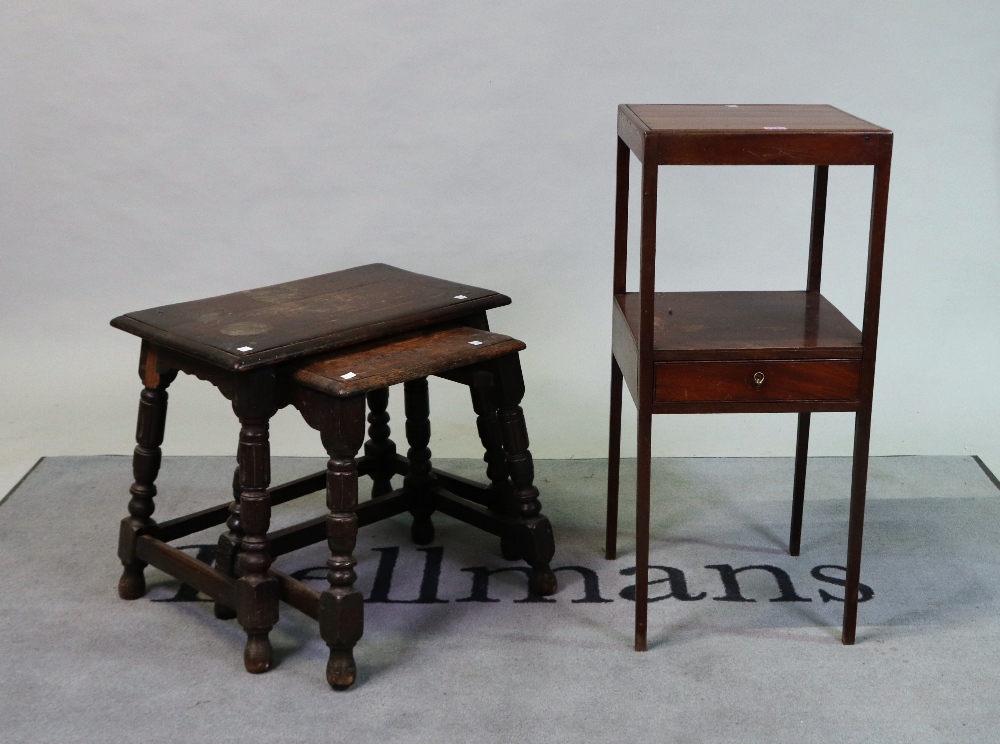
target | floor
[{"x": 762, "y": 663}]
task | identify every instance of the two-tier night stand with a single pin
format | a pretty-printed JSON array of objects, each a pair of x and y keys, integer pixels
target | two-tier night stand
[{"x": 743, "y": 352}]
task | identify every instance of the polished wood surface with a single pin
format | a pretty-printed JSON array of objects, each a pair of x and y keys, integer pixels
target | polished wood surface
[
  {"x": 742, "y": 352},
  {"x": 749, "y": 134},
  {"x": 758, "y": 380},
  {"x": 388, "y": 326},
  {"x": 723, "y": 119},
  {"x": 380, "y": 364},
  {"x": 263, "y": 326},
  {"x": 744, "y": 325}
]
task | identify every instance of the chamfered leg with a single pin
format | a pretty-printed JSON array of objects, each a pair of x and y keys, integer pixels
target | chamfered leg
[
  {"x": 799, "y": 483},
  {"x": 614, "y": 461},
  {"x": 419, "y": 478},
  {"x": 644, "y": 465},
  {"x": 859, "y": 485},
  {"x": 146, "y": 458},
  {"x": 379, "y": 447}
]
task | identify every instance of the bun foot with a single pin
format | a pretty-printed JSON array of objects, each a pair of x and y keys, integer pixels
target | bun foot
[
  {"x": 132, "y": 584},
  {"x": 224, "y": 612},
  {"x": 422, "y": 531},
  {"x": 340, "y": 669},
  {"x": 257, "y": 655},
  {"x": 543, "y": 582}
]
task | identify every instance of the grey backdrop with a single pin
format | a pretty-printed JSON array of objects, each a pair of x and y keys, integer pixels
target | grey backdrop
[{"x": 154, "y": 152}]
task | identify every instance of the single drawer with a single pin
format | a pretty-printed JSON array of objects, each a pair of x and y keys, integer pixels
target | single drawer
[{"x": 702, "y": 382}]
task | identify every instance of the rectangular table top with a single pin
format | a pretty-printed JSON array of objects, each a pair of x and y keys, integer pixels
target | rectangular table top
[
  {"x": 386, "y": 362},
  {"x": 751, "y": 134},
  {"x": 730, "y": 118},
  {"x": 257, "y": 327}
]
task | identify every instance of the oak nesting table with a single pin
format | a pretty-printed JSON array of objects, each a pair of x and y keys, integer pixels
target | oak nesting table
[
  {"x": 743, "y": 352},
  {"x": 331, "y": 346}
]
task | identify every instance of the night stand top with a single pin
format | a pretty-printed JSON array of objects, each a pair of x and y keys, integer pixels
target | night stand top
[
  {"x": 268, "y": 325},
  {"x": 750, "y": 134}
]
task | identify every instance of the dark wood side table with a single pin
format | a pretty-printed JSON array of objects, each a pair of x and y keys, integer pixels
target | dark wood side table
[
  {"x": 250, "y": 345},
  {"x": 743, "y": 352},
  {"x": 330, "y": 392}
]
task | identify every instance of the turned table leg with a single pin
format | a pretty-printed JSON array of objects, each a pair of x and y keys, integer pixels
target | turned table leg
[
  {"x": 341, "y": 606},
  {"x": 256, "y": 593},
  {"x": 380, "y": 448},
  {"x": 229, "y": 543},
  {"x": 145, "y": 467},
  {"x": 419, "y": 478},
  {"x": 485, "y": 406},
  {"x": 533, "y": 540}
]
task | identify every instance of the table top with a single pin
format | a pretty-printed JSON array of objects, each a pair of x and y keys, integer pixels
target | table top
[
  {"x": 751, "y": 134},
  {"x": 743, "y": 118},
  {"x": 269, "y": 325},
  {"x": 380, "y": 364}
]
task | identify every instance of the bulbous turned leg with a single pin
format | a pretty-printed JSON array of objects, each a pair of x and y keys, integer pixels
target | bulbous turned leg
[
  {"x": 485, "y": 406},
  {"x": 132, "y": 584},
  {"x": 257, "y": 594},
  {"x": 341, "y": 670},
  {"x": 531, "y": 537},
  {"x": 145, "y": 467},
  {"x": 419, "y": 478},
  {"x": 379, "y": 447},
  {"x": 257, "y": 654},
  {"x": 225, "y": 554},
  {"x": 341, "y": 606}
]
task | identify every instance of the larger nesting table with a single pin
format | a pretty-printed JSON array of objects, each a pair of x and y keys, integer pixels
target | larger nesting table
[{"x": 328, "y": 345}]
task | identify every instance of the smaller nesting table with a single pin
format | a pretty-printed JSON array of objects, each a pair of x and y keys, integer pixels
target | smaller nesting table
[{"x": 331, "y": 346}]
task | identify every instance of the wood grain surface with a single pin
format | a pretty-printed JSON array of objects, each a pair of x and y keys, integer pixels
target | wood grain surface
[
  {"x": 244, "y": 330},
  {"x": 407, "y": 357},
  {"x": 689, "y": 326}
]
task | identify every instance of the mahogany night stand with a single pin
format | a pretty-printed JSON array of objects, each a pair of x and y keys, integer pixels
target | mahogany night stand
[{"x": 743, "y": 352}]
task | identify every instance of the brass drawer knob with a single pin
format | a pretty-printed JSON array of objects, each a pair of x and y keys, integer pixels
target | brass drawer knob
[{"x": 758, "y": 378}]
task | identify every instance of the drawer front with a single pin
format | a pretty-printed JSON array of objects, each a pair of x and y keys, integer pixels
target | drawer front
[{"x": 703, "y": 382}]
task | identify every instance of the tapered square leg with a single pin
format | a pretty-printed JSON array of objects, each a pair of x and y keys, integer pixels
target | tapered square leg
[
  {"x": 799, "y": 484},
  {"x": 614, "y": 461},
  {"x": 644, "y": 465},
  {"x": 859, "y": 486}
]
